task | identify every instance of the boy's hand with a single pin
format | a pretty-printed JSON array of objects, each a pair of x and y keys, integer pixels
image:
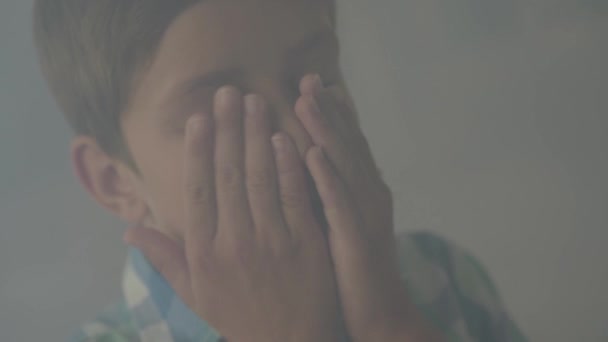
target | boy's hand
[
  {"x": 255, "y": 264},
  {"x": 358, "y": 208}
]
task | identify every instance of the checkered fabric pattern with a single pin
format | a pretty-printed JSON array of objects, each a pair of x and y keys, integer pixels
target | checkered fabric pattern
[{"x": 448, "y": 285}]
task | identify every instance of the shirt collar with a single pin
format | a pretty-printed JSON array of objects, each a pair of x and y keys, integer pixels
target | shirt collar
[{"x": 159, "y": 314}]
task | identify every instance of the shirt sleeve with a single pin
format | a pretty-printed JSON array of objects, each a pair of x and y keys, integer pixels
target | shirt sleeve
[{"x": 454, "y": 291}]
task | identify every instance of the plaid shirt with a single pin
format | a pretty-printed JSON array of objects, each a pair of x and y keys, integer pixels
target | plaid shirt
[{"x": 447, "y": 284}]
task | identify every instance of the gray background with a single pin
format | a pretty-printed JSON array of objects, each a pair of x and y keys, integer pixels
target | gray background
[{"x": 489, "y": 118}]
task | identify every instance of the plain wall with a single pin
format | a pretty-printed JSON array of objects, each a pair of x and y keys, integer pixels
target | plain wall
[{"x": 489, "y": 119}]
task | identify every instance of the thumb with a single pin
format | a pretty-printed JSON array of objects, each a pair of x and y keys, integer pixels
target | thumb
[{"x": 165, "y": 255}]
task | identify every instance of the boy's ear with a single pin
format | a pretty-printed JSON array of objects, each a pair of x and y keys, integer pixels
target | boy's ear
[{"x": 110, "y": 182}]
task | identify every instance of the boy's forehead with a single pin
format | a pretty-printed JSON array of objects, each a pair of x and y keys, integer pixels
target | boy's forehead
[
  {"x": 230, "y": 32},
  {"x": 216, "y": 35}
]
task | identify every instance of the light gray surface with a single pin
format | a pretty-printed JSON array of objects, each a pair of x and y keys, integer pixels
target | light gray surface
[{"x": 489, "y": 119}]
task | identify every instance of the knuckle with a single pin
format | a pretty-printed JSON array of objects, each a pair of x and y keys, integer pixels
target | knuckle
[
  {"x": 199, "y": 193},
  {"x": 230, "y": 176},
  {"x": 259, "y": 182}
]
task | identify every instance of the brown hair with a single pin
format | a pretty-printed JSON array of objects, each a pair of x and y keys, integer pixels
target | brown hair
[{"x": 91, "y": 53}]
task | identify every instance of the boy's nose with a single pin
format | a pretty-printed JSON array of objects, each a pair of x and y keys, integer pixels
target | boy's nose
[{"x": 281, "y": 104}]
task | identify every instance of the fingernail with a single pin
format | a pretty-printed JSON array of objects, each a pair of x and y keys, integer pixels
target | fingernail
[
  {"x": 278, "y": 142},
  {"x": 194, "y": 125},
  {"x": 226, "y": 94},
  {"x": 317, "y": 83},
  {"x": 252, "y": 104}
]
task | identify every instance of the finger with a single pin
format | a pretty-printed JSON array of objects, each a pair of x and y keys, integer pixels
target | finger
[
  {"x": 340, "y": 212},
  {"x": 200, "y": 205},
  {"x": 294, "y": 192},
  {"x": 335, "y": 96},
  {"x": 332, "y": 124},
  {"x": 232, "y": 203},
  {"x": 165, "y": 255},
  {"x": 356, "y": 166},
  {"x": 323, "y": 132},
  {"x": 331, "y": 103},
  {"x": 290, "y": 124},
  {"x": 355, "y": 264},
  {"x": 336, "y": 106},
  {"x": 261, "y": 177}
]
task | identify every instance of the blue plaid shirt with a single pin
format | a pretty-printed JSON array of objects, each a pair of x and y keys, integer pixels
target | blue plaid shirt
[{"x": 447, "y": 284}]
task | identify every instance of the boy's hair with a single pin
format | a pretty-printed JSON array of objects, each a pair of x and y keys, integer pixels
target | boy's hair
[{"x": 91, "y": 53}]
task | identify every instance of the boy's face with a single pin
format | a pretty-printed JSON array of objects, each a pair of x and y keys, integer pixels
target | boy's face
[{"x": 262, "y": 47}]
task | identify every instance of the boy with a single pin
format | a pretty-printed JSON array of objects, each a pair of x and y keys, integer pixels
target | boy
[{"x": 223, "y": 133}]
